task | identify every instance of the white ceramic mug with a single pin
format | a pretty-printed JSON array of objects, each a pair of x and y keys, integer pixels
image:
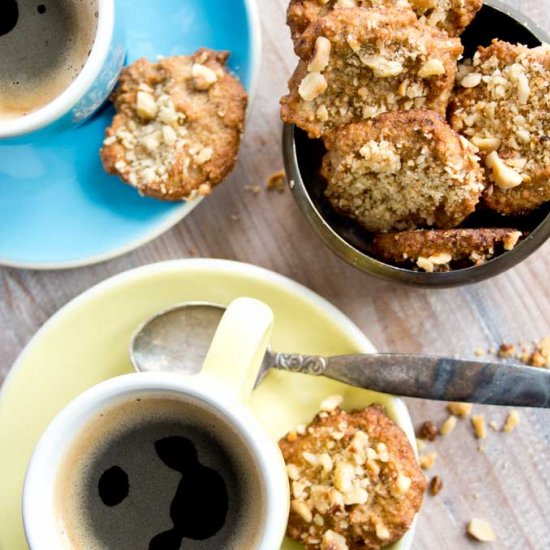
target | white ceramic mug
[
  {"x": 223, "y": 386},
  {"x": 86, "y": 93}
]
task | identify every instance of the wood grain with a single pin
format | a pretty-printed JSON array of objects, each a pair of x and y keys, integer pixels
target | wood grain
[{"x": 507, "y": 481}]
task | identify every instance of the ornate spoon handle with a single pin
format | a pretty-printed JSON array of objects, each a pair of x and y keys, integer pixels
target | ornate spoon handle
[{"x": 430, "y": 377}]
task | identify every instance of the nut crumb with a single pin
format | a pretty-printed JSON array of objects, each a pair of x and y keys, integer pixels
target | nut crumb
[
  {"x": 481, "y": 530},
  {"x": 428, "y": 431},
  {"x": 448, "y": 426},
  {"x": 420, "y": 444},
  {"x": 460, "y": 409},
  {"x": 478, "y": 423},
  {"x": 512, "y": 420},
  {"x": 506, "y": 350},
  {"x": 331, "y": 403},
  {"x": 427, "y": 461},
  {"x": 436, "y": 484},
  {"x": 494, "y": 426}
]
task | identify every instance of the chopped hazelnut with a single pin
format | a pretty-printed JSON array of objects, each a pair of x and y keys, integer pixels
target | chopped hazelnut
[
  {"x": 504, "y": 176},
  {"x": 448, "y": 426},
  {"x": 506, "y": 350},
  {"x": 481, "y": 530},
  {"x": 460, "y": 409},
  {"x": 312, "y": 86},
  {"x": 428, "y": 431},
  {"x": 203, "y": 76},
  {"x": 146, "y": 106},
  {"x": 293, "y": 471},
  {"x": 333, "y": 541},
  {"x": 432, "y": 67},
  {"x": 331, "y": 403},
  {"x": 436, "y": 484},
  {"x": 427, "y": 461},
  {"x": 512, "y": 420},
  {"x": 511, "y": 240},
  {"x": 471, "y": 80},
  {"x": 321, "y": 55},
  {"x": 382, "y": 67},
  {"x": 302, "y": 509},
  {"x": 478, "y": 423}
]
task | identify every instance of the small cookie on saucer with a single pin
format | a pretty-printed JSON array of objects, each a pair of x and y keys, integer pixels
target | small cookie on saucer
[
  {"x": 502, "y": 105},
  {"x": 401, "y": 171},
  {"x": 357, "y": 63},
  {"x": 355, "y": 482},
  {"x": 178, "y": 125},
  {"x": 451, "y": 16},
  {"x": 435, "y": 250}
]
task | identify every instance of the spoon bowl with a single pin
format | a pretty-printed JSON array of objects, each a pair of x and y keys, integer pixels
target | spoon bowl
[{"x": 177, "y": 340}]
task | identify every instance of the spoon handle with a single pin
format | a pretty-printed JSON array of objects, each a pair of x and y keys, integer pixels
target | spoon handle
[{"x": 430, "y": 377}]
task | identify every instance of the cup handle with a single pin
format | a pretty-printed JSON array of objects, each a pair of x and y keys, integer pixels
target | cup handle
[{"x": 238, "y": 347}]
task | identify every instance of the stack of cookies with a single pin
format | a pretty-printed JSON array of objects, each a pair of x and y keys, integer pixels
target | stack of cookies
[{"x": 415, "y": 142}]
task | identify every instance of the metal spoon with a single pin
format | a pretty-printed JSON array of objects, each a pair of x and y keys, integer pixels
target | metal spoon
[{"x": 178, "y": 338}]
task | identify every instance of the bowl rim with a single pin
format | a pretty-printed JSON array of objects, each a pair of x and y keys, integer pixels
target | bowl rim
[{"x": 382, "y": 270}]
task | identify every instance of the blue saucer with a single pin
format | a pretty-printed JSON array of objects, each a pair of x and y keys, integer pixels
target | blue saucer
[{"x": 58, "y": 208}]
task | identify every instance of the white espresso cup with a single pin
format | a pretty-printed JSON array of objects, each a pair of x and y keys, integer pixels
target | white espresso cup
[
  {"x": 221, "y": 389},
  {"x": 92, "y": 83}
]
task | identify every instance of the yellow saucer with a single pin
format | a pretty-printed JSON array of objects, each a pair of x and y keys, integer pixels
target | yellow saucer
[{"x": 87, "y": 342}]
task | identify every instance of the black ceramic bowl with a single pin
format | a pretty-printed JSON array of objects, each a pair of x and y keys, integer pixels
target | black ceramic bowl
[{"x": 351, "y": 242}]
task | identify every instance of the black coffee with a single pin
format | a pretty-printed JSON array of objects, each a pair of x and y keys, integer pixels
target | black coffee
[
  {"x": 43, "y": 46},
  {"x": 159, "y": 474}
]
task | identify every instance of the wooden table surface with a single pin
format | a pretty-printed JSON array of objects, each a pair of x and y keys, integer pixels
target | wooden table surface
[{"x": 508, "y": 481}]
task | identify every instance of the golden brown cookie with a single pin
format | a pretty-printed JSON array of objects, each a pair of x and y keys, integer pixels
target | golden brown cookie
[
  {"x": 355, "y": 482},
  {"x": 178, "y": 125},
  {"x": 451, "y": 16},
  {"x": 435, "y": 250},
  {"x": 502, "y": 105},
  {"x": 357, "y": 63},
  {"x": 402, "y": 170}
]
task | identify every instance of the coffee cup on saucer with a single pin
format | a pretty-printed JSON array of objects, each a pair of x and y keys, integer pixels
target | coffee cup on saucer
[
  {"x": 59, "y": 61},
  {"x": 154, "y": 460}
]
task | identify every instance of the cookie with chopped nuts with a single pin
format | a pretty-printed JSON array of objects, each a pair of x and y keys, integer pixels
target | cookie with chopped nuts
[
  {"x": 400, "y": 171},
  {"x": 356, "y": 63},
  {"x": 355, "y": 482},
  {"x": 436, "y": 250},
  {"x": 502, "y": 105},
  {"x": 178, "y": 125},
  {"x": 451, "y": 16},
  {"x": 301, "y": 13}
]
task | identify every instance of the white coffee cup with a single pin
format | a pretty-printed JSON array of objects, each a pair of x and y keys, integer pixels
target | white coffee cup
[
  {"x": 223, "y": 385},
  {"x": 86, "y": 93}
]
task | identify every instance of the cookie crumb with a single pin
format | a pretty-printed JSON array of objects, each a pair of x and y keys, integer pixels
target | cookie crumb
[
  {"x": 512, "y": 420},
  {"x": 506, "y": 350},
  {"x": 254, "y": 189},
  {"x": 276, "y": 182},
  {"x": 481, "y": 530}
]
